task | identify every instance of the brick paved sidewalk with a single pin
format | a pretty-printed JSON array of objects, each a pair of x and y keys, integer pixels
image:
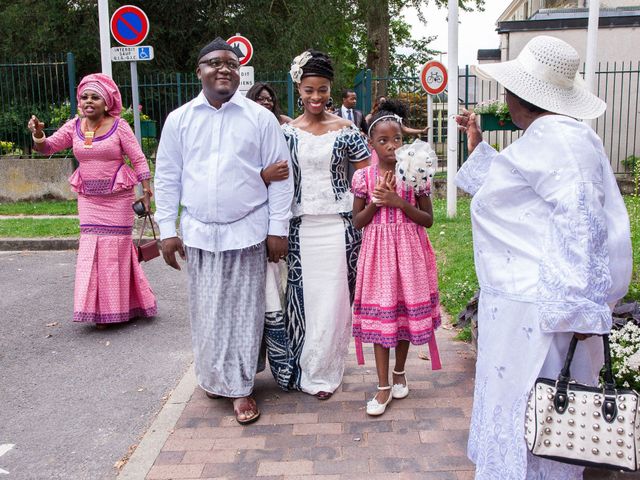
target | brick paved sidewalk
[{"x": 299, "y": 436}]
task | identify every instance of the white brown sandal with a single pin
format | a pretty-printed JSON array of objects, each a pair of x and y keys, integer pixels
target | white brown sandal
[
  {"x": 375, "y": 408},
  {"x": 399, "y": 390}
]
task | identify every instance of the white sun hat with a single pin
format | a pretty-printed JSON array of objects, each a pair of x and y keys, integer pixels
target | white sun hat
[{"x": 545, "y": 73}]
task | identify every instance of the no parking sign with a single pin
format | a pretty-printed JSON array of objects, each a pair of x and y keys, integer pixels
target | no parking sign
[{"x": 129, "y": 25}]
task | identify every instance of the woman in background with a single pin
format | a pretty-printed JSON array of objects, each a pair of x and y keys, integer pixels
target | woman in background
[{"x": 265, "y": 95}]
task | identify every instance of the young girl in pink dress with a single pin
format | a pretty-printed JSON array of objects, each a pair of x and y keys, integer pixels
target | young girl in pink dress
[{"x": 396, "y": 300}]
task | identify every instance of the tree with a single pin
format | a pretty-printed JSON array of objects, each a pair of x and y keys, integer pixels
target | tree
[
  {"x": 354, "y": 32},
  {"x": 378, "y": 15}
]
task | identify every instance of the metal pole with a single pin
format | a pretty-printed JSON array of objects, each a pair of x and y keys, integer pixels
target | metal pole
[
  {"x": 592, "y": 48},
  {"x": 105, "y": 41},
  {"x": 71, "y": 71},
  {"x": 290, "y": 94},
  {"x": 430, "y": 120},
  {"x": 452, "y": 109},
  {"x": 136, "y": 101}
]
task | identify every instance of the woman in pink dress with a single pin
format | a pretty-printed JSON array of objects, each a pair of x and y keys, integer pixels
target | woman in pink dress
[
  {"x": 396, "y": 301},
  {"x": 110, "y": 285}
]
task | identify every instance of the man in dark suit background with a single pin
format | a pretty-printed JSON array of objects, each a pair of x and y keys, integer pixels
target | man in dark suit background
[{"x": 348, "y": 110}]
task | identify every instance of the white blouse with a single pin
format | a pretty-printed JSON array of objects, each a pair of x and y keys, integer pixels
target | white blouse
[
  {"x": 549, "y": 224},
  {"x": 319, "y": 164}
]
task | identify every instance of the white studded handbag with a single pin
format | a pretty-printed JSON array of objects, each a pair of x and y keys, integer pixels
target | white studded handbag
[{"x": 583, "y": 425}]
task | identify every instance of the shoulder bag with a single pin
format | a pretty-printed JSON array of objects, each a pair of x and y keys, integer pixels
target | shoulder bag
[
  {"x": 148, "y": 250},
  {"x": 584, "y": 425}
]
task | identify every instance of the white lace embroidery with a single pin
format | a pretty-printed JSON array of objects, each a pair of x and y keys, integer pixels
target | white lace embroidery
[
  {"x": 474, "y": 171},
  {"x": 574, "y": 272},
  {"x": 317, "y": 195}
]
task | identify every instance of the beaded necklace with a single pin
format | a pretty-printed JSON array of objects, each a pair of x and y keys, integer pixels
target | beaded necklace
[{"x": 90, "y": 134}]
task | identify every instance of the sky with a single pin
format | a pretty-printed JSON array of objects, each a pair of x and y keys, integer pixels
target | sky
[{"x": 475, "y": 29}]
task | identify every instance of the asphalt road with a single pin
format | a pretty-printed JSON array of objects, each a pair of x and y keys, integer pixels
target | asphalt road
[{"x": 73, "y": 399}]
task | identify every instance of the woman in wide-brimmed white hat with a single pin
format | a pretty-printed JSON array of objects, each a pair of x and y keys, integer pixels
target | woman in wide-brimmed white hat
[{"x": 552, "y": 250}]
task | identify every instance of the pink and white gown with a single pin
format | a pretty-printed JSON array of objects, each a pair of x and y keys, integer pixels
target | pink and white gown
[
  {"x": 110, "y": 285},
  {"x": 397, "y": 283}
]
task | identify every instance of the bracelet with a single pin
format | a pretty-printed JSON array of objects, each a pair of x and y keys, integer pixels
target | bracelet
[
  {"x": 147, "y": 190},
  {"x": 39, "y": 140}
]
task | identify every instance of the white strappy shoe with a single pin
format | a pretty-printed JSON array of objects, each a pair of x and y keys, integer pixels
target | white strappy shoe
[
  {"x": 399, "y": 390},
  {"x": 374, "y": 408}
]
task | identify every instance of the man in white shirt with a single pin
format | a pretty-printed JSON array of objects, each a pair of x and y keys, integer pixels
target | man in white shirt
[{"x": 209, "y": 160}]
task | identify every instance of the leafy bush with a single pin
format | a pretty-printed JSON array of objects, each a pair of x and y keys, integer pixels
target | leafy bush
[
  {"x": 9, "y": 148},
  {"x": 59, "y": 114},
  {"x": 127, "y": 115},
  {"x": 631, "y": 163},
  {"x": 494, "y": 107}
]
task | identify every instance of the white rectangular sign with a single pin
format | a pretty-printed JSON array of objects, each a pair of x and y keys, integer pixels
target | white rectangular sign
[
  {"x": 139, "y": 53},
  {"x": 246, "y": 78}
]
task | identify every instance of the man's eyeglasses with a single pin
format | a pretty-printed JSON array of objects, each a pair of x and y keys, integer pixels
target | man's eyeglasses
[
  {"x": 217, "y": 64},
  {"x": 264, "y": 100}
]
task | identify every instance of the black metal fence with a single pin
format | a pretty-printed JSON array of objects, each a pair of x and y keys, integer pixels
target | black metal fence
[
  {"x": 45, "y": 87},
  {"x": 40, "y": 86}
]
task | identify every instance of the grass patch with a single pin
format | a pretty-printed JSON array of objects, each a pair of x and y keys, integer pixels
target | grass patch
[
  {"x": 452, "y": 241},
  {"x": 44, "y": 207},
  {"x": 633, "y": 207},
  {"x": 464, "y": 334},
  {"x": 45, "y": 227}
]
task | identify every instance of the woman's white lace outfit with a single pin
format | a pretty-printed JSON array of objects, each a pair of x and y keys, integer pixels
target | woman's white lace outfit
[
  {"x": 552, "y": 249},
  {"x": 323, "y": 251}
]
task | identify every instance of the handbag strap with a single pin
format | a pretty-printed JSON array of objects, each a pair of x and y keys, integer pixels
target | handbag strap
[
  {"x": 144, "y": 225},
  {"x": 561, "y": 400},
  {"x": 153, "y": 230}
]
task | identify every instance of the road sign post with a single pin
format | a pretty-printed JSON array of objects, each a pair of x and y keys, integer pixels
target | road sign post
[
  {"x": 247, "y": 79},
  {"x": 130, "y": 26},
  {"x": 244, "y": 45},
  {"x": 433, "y": 78},
  {"x": 132, "y": 54}
]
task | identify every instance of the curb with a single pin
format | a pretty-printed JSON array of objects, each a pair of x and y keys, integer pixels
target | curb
[
  {"x": 155, "y": 437},
  {"x": 40, "y": 244},
  {"x": 13, "y": 244}
]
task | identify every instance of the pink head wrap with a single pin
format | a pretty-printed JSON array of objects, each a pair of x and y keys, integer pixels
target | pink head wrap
[{"x": 104, "y": 86}]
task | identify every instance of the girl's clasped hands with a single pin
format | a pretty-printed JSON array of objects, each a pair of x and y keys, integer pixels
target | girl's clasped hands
[{"x": 384, "y": 194}]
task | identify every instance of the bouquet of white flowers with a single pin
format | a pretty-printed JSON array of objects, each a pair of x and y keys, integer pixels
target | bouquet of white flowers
[{"x": 416, "y": 163}]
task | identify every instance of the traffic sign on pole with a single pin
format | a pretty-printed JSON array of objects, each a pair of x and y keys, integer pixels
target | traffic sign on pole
[
  {"x": 129, "y": 25},
  {"x": 433, "y": 77},
  {"x": 132, "y": 54},
  {"x": 244, "y": 45},
  {"x": 247, "y": 79}
]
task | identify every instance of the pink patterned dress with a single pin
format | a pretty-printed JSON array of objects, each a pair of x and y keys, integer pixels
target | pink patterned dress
[
  {"x": 110, "y": 285},
  {"x": 397, "y": 284}
]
